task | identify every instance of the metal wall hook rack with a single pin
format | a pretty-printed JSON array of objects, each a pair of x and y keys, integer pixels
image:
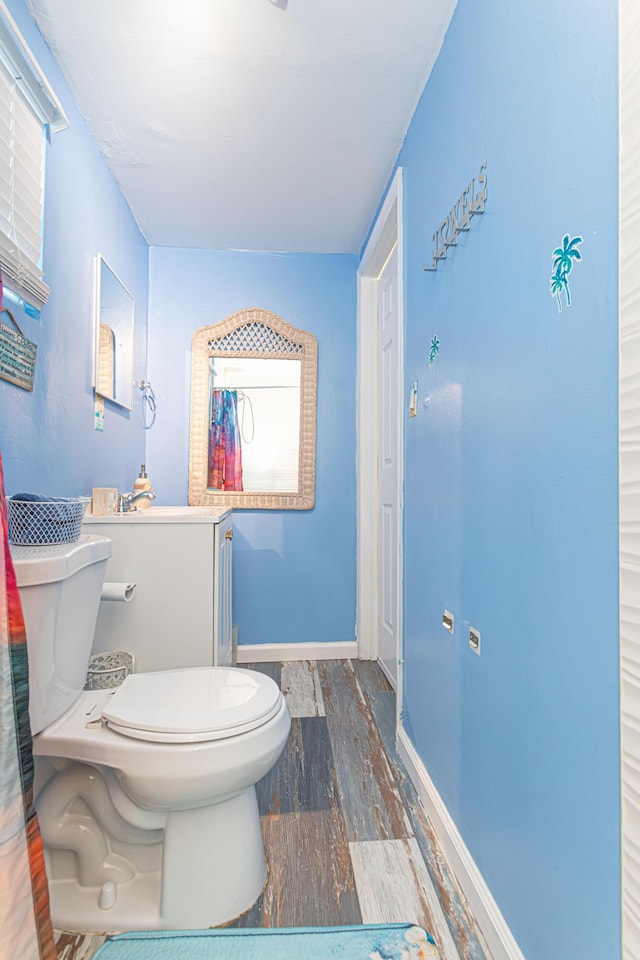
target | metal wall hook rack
[{"x": 469, "y": 204}]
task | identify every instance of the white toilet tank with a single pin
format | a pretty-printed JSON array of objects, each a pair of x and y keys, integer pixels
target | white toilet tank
[{"x": 60, "y": 588}]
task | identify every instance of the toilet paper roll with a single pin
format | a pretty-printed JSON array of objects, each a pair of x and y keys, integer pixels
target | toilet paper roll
[{"x": 118, "y": 591}]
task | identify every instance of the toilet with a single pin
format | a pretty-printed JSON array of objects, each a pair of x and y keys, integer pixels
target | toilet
[{"x": 145, "y": 794}]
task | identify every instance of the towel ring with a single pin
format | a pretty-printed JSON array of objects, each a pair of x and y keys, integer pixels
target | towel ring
[{"x": 149, "y": 403}]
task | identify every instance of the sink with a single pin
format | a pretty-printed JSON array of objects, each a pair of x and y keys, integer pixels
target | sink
[
  {"x": 181, "y": 511},
  {"x": 177, "y": 514}
]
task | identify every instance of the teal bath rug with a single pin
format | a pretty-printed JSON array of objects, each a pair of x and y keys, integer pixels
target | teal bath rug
[{"x": 392, "y": 941}]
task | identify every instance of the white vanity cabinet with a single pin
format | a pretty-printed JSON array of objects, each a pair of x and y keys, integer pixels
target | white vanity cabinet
[{"x": 180, "y": 561}]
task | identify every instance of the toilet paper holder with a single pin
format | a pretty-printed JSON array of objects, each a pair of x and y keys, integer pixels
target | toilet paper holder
[{"x": 118, "y": 591}]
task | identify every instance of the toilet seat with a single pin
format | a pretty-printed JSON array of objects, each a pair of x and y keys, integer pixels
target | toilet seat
[{"x": 192, "y": 705}]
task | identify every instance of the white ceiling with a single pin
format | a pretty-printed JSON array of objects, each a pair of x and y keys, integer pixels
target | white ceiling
[{"x": 248, "y": 124}]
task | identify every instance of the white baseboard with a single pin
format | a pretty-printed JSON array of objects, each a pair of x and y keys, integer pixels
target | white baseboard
[
  {"x": 485, "y": 910},
  {"x": 270, "y": 652}
]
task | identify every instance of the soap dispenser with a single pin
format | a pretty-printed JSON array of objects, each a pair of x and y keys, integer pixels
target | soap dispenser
[{"x": 142, "y": 483}]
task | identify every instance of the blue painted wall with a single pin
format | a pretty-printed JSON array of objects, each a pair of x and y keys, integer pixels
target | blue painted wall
[
  {"x": 47, "y": 438},
  {"x": 294, "y": 571},
  {"x": 511, "y": 472}
]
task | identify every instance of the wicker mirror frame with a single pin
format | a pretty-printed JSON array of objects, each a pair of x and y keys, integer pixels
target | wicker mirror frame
[{"x": 253, "y": 332}]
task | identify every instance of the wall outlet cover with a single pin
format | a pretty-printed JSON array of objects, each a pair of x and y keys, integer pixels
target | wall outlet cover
[{"x": 447, "y": 620}]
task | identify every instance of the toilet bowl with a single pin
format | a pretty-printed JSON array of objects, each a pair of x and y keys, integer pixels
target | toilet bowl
[{"x": 146, "y": 794}]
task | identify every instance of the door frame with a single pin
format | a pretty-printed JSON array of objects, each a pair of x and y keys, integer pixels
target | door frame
[{"x": 386, "y": 233}]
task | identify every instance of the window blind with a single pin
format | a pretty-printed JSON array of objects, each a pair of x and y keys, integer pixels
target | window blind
[{"x": 21, "y": 191}]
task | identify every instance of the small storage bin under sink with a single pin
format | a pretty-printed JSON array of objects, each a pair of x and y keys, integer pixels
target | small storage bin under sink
[{"x": 109, "y": 669}]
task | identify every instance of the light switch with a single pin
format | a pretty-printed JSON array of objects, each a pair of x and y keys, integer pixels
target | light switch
[{"x": 98, "y": 417}]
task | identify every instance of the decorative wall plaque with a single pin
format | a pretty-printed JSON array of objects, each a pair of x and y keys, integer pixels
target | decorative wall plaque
[
  {"x": 17, "y": 355},
  {"x": 563, "y": 258}
]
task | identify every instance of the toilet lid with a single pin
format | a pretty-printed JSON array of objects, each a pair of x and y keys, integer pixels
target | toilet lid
[{"x": 192, "y": 705}]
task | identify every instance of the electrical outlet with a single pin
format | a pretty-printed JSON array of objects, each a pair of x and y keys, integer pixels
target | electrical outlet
[
  {"x": 474, "y": 640},
  {"x": 447, "y": 621}
]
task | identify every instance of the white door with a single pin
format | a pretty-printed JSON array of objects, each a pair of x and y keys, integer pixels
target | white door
[{"x": 388, "y": 454}]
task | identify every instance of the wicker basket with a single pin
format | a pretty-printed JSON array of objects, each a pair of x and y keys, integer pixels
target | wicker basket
[
  {"x": 38, "y": 522},
  {"x": 108, "y": 670}
]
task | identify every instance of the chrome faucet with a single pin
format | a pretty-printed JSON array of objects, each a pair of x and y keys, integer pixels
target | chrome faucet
[{"x": 126, "y": 500}]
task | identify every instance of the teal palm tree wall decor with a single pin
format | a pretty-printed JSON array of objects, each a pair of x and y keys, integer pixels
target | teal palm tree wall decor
[
  {"x": 435, "y": 349},
  {"x": 563, "y": 258}
]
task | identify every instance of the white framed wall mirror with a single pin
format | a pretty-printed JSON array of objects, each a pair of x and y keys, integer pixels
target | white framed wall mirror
[
  {"x": 253, "y": 413},
  {"x": 114, "y": 322}
]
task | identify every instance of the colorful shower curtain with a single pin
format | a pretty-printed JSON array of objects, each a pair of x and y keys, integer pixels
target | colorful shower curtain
[
  {"x": 225, "y": 447},
  {"x": 25, "y": 926}
]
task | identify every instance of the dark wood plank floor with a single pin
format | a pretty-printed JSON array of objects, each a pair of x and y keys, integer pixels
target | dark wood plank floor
[{"x": 346, "y": 838}]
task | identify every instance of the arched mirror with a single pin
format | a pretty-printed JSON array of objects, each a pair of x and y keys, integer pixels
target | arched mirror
[{"x": 253, "y": 413}]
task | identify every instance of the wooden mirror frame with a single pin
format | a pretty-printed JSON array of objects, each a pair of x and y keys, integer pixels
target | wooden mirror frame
[{"x": 258, "y": 333}]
